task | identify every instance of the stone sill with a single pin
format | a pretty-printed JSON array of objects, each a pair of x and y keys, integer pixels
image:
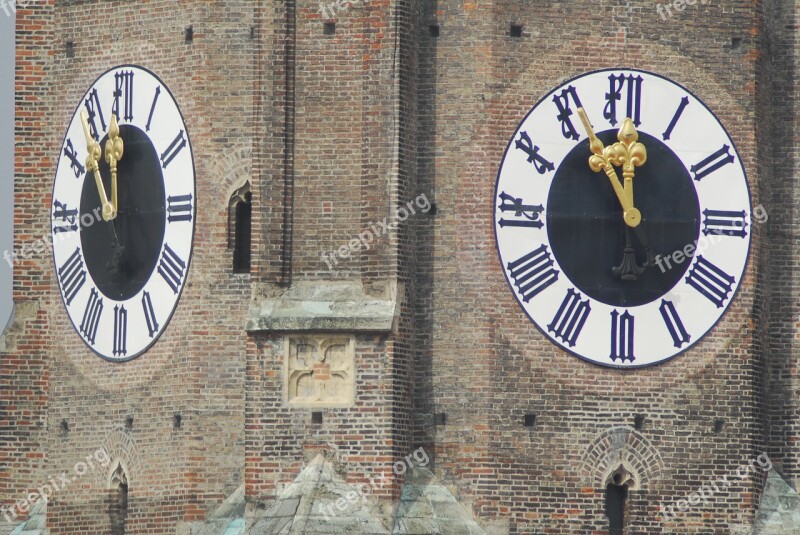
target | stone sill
[{"x": 326, "y": 306}]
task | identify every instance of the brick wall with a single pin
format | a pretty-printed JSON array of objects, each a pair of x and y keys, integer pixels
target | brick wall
[
  {"x": 197, "y": 368},
  {"x": 483, "y": 363},
  {"x": 336, "y": 131}
]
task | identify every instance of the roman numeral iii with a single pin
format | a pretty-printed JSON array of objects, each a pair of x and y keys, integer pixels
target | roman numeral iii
[
  {"x": 179, "y": 208},
  {"x": 724, "y": 222}
]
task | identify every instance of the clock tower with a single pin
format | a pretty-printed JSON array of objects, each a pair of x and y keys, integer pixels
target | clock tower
[{"x": 401, "y": 266}]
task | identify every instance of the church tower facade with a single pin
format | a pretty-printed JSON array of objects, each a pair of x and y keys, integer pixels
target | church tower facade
[{"x": 367, "y": 267}]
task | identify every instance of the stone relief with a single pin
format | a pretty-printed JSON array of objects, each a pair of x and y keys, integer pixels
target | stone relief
[{"x": 320, "y": 371}]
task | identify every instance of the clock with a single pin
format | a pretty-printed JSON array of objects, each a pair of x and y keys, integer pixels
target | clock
[
  {"x": 622, "y": 217},
  {"x": 123, "y": 212}
]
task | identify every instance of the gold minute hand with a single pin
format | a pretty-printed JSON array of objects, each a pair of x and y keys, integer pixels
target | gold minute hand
[
  {"x": 601, "y": 160},
  {"x": 114, "y": 150},
  {"x": 94, "y": 153},
  {"x": 628, "y": 153}
]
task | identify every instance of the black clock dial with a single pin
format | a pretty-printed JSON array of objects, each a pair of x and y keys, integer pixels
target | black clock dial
[
  {"x": 622, "y": 292},
  {"x": 122, "y": 263},
  {"x": 587, "y": 233},
  {"x": 121, "y": 255}
]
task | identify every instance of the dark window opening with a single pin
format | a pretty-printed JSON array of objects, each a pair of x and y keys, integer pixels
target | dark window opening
[
  {"x": 616, "y": 498},
  {"x": 243, "y": 235},
  {"x": 118, "y": 510}
]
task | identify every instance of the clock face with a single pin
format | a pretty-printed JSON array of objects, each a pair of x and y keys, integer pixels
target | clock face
[
  {"x": 596, "y": 281},
  {"x": 122, "y": 251}
]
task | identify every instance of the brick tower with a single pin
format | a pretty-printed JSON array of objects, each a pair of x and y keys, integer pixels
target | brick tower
[{"x": 347, "y": 356}]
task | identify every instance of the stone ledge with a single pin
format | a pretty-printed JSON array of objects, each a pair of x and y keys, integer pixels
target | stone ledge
[{"x": 326, "y": 306}]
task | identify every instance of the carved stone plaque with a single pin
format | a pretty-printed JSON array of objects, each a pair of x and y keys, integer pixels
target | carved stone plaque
[{"x": 320, "y": 371}]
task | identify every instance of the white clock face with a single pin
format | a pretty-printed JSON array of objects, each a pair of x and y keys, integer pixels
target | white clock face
[
  {"x": 121, "y": 279},
  {"x": 607, "y": 291}
]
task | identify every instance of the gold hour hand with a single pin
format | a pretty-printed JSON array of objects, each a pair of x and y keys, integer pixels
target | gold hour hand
[
  {"x": 601, "y": 160},
  {"x": 94, "y": 154},
  {"x": 114, "y": 150}
]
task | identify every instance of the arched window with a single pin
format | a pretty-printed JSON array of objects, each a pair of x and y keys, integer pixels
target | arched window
[
  {"x": 616, "y": 500},
  {"x": 118, "y": 507},
  {"x": 240, "y": 228}
]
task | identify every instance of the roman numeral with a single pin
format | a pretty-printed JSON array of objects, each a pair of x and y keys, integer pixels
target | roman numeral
[
  {"x": 565, "y": 113},
  {"x": 710, "y": 281},
  {"x": 528, "y": 213},
  {"x": 633, "y": 97},
  {"x": 180, "y": 208},
  {"x": 91, "y": 317},
  {"x": 123, "y": 88},
  {"x": 171, "y": 268},
  {"x": 74, "y": 163},
  {"x": 727, "y": 223},
  {"x": 149, "y": 314},
  {"x": 174, "y": 148},
  {"x": 72, "y": 275},
  {"x": 120, "y": 330},
  {"x": 525, "y": 144},
  {"x": 69, "y": 218},
  {"x": 682, "y": 106},
  {"x": 674, "y": 324},
  {"x": 712, "y": 163},
  {"x": 622, "y": 336},
  {"x": 95, "y": 111},
  {"x": 570, "y": 318},
  {"x": 153, "y": 107},
  {"x": 533, "y": 272}
]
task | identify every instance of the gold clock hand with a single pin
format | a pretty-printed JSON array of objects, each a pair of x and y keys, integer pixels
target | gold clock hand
[
  {"x": 114, "y": 150},
  {"x": 628, "y": 153},
  {"x": 601, "y": 160},
  {"x": 94, "y": 153}
]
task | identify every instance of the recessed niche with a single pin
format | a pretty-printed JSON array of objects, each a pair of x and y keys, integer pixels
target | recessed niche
[{"x": 529, "y": 420}]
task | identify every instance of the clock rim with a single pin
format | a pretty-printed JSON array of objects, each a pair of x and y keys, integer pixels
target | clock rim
[
  {"x": 509, "y": 285},
  {"x": 179, "y": 297}
]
